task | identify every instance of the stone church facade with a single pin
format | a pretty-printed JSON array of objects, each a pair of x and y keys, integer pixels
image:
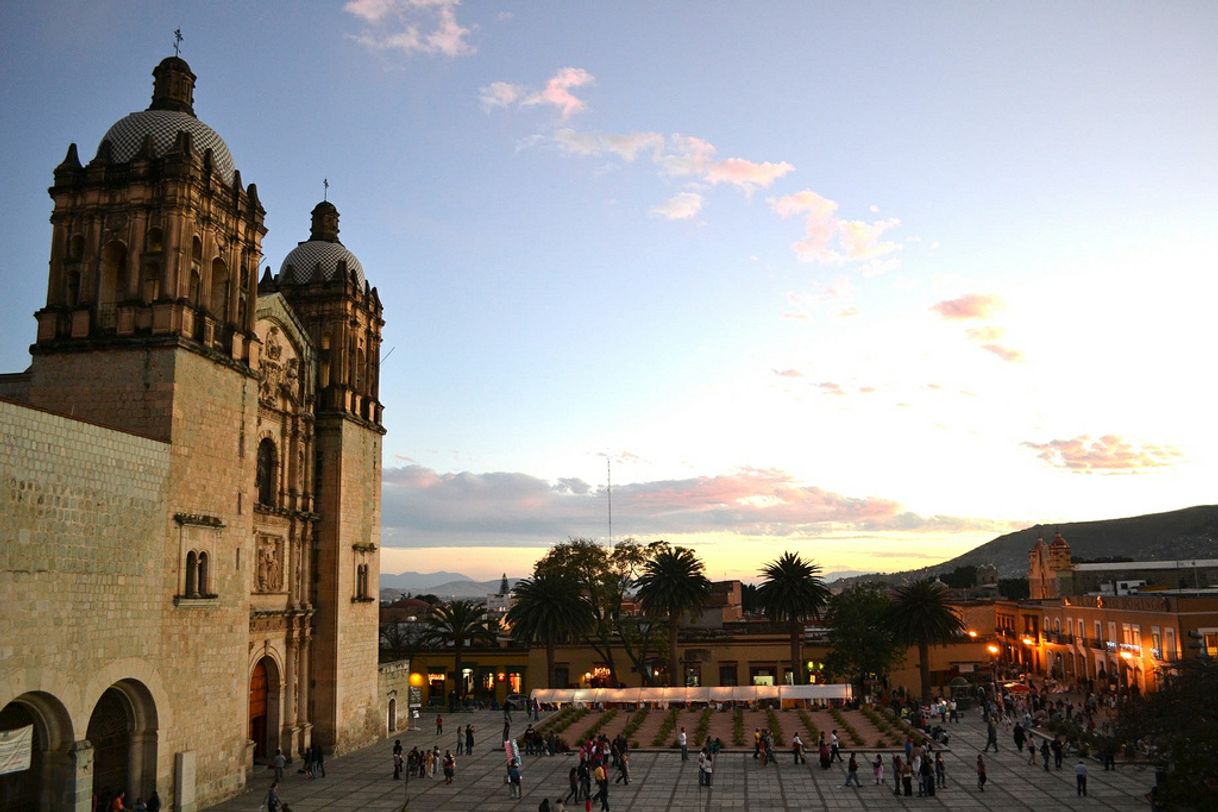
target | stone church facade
[{"x": 190, "y": 474}]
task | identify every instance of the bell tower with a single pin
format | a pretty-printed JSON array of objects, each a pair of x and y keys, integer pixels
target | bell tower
[
  {"x": 325, "y": 285},
  {"x": 155, "y": 245}
]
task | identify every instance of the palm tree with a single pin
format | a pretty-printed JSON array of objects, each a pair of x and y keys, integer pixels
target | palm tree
[
  {"x": 793, "y": 593},
  {"x": 921, "y": 615},
  {"x": 458, "y": 622},
  {"x": 672, "y": 585},
  {"x": 548, "y": 608}
]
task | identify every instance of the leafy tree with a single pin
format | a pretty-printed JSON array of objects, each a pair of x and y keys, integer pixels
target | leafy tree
[
  {"x": 862, "y": 646},
  {"x": 963, "y": 577},
  {"x": 920, "y": 616},
  {"x": 673, "y": 584},
  {"x": 458, "y": 623},
  {"x": 793, "y": 593},
  {"x": 748, "y": 598},
  {"x": 605, "y": 574},
  {"x": 1180, "y": 720},
  {"x": 399, "y": 639},
  {"x": 1014, "y": 588},
  {"x": 548, "y": 609}
]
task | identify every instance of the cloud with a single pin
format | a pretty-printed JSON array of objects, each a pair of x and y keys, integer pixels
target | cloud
[
  {"x": 829, "y": 239},
  {"x": 748, "y": 175},
  {"x": 788, "y": 373},
  {"x": 1009, "y": 354},
  {"x": 500, "y": 94},
  {"x": 424, "y": 508},
  {"x": 626, "y": 146},
  {"x": 831, "y": 388},
  {"x": 557, "y": 92},
  {"x": 410, "y": 26},
  {"x": 984, "y": 334},
  {"x": 972, "y": 306},
  {"x": 1109, "y": 454},
  {"x": 681, "y": 206}
]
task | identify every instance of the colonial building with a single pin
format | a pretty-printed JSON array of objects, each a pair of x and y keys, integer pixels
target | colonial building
[{"x": 191, "y": 482}]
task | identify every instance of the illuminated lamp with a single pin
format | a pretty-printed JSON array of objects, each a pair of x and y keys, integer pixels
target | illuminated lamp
[
  {"x": 501, "y": 676},
  {"x": 972, "y": 633},
  {"x": 1028, "y": 641},
  {"x": 991, "y": 648},
  {"x": 1126, "y": 655},
  {"x": 416, "y": 679}
]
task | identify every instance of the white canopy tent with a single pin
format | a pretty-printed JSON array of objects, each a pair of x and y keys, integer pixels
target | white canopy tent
[{"x": 819, "y": 694}]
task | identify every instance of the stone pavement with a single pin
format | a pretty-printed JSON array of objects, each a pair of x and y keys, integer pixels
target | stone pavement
[{"x": 661, "y": 781}]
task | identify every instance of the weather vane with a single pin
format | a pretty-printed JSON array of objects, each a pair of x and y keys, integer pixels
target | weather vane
[
  {"x": 325, "y": 195},
  {"x": 177, "y": 41}
]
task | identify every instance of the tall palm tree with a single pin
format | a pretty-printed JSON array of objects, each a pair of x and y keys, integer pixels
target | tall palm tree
[
  {"x": 548, "y": 608},
  {"x": 673, "y": 585},
  {"x": 458, "y": 622},
  {"x": 921, "y": 616},
  {"x": 793, "y": 593}
]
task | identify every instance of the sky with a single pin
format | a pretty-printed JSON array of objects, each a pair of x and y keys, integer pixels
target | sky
[{"x": 871, "y": 282}]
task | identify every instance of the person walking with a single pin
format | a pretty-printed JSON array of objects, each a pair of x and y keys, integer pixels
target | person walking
[
  {"x": 573, "y": 780},
  {"x": 991, "y": 736},
  {"x": 877, "y": 768},
  {"x": 602, "y": 784},
  {"x": 1080, "y": 778},
  {"x": 469, "y": 740},
  {"x": 940, "y": 770},
  {"x": 460, "y": 740},
  {"x": 706, "y": 767},
  {"x": 896, "y": 774},
  {"x": 319, "y": 761},
  {"x": 683, "y": 743},
  {"x": 278, "y": 763},
  {"x": 852, "y": 773},
  {"x": 1058, "y": 752},
  {"x": 273, "y": 804},
  {"x": 981, "y": 772},
  {"x": 514, "y": 790},
  {"x": 797, "y": 749},
  {"x": 439, "y": 725},
  {"x": 623, "y": 769},
  {"x": 907, "y": 778},
  {"x": 450, "y": 767},
  {"x": 835, "y": 747},
  {"x": 1019, "y": 736},
  {"x": 1044, "y": 753}
]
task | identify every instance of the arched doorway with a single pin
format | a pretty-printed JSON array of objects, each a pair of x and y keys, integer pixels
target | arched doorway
[
  {"x": 264, "y": 708},
  {"x": 48, "y": 782},
  {"x": 393, "y": 716},
  {"x": 123, "y": 732}
]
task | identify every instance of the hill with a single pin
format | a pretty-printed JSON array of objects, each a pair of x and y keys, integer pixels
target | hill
[
  {"x": 1187, "y": 533},
  {"x": 1178, "y": 534},
  {"x": 419, "y": 581}
]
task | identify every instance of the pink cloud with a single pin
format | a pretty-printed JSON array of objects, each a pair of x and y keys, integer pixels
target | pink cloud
[
  {"x": 985, "y": 334},
  {"x": 972, "y": 306},
  {"x": 557, "y": 92},
  {"x": 831, "y": 388},
  {"x": 829, "y": 239},
  {"x": 423, "y": 507},
  {"x": 681, "y": 206},
  {"x": 1110, "y": 454},
  {"x": 1008, "y": 354},
  {"x": 748, "y": 175},
  {"x": 410, "y": 26},
  {"x": 788, "y": 373}
]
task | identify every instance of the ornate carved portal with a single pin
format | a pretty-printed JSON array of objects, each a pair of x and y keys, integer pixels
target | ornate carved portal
[
  {"x": 280, "y": 372},
  {"x": 270, "y": 565}
]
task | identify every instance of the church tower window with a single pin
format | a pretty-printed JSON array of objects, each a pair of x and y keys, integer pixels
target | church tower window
[
  {"x": 266, "y": 472},
  {"x": 192, "y": 575},
  {"x": 218, "y": 301},
  {"x": 110, "y": 275}
]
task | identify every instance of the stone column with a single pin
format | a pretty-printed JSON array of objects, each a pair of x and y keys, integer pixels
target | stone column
[
  {"x": 75, "y": 773},
  {"x": 290, "y": 681},
  {"x": 302, "y": 705}
]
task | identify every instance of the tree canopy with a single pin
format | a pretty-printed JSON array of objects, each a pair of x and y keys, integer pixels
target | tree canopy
[
  {"x": 921, "y": 616},
  {"x": 862, "y": 646},
  {"x": 793, "y": 593},
  {"x": 672, "y": 586}
]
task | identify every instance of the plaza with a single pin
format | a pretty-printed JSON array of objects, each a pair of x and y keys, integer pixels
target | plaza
[{"x": 660, "y": 780}]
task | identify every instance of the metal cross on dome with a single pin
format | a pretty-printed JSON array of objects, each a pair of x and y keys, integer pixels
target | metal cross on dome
[
  {"x": 325, "y": 183},
  {"x": 177, "y": 41}
]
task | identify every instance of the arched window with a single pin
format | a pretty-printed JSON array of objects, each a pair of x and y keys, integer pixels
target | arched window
[
  {"x": 152, "y": 282},
  {"x": 155, "y": 240},
  {"x": 324, "y": 361},
  {"x": 72, "y": 287},
  {"x": 76, "y": 248},
  {"x": 266, "y": 472},
  {"x": 217, "y": 303},
  {"x": 361, "y": 581},
  {"x": 192, "y": 575},
  {"x": 204, "y": 578},
  {"x": 110, "y": 275}
]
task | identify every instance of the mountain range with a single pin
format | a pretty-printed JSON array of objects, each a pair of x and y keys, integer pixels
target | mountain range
[{"x": 1175, "y": 535}]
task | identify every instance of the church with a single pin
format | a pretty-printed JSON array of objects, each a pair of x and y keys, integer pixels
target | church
[{"x": 191, "y": 474}]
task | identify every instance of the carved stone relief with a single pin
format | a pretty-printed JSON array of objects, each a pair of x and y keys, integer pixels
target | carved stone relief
[{"x": 270, "y": 565}]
